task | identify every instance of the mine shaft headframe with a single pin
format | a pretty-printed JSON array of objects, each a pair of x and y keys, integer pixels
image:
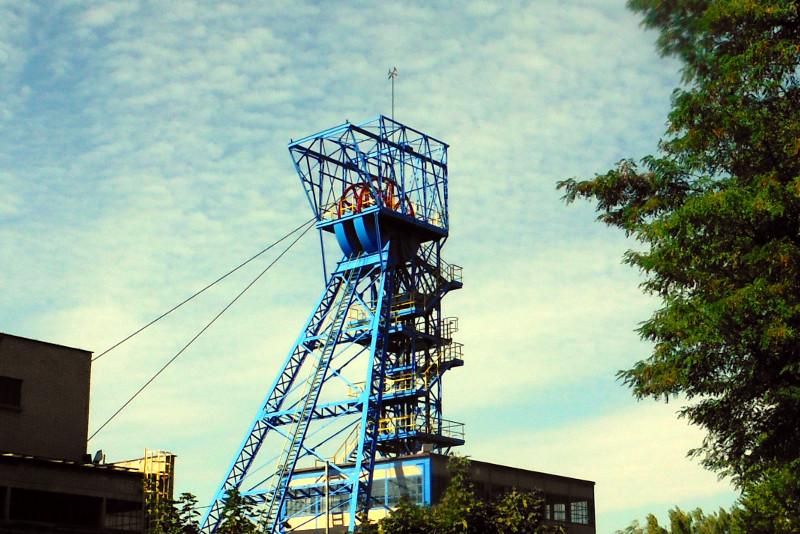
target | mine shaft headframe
[{"x": 379, "y": 165}]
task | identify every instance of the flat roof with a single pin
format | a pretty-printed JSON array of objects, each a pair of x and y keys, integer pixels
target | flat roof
[
  {"x": 528, "y": 470},
  {"x": 4, "y": 334},
  {"x": 54, "y": 462},
  {"x": 445, "y": 458}
]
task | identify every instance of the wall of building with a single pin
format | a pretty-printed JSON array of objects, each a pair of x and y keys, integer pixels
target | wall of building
[
  {"x": 38, "y": 495},
  {"x": 569, "y": 502},
  {"x": 51, "y": 414}
]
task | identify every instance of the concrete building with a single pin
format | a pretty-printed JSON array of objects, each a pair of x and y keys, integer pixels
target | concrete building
[
  {"x": 44, "y": 398},
  {"x": 569, "y": 502},
  {"x": 47, "y": 481},
  {"x": 422, "y": 478}
]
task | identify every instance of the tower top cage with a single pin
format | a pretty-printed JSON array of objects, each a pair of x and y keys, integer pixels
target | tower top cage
[{"x": 379, "y": 166}]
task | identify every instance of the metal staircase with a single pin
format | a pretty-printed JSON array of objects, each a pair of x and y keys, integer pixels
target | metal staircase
[
  {"x": 292, "y": 453},
  {"x": 346, "y": 453}
]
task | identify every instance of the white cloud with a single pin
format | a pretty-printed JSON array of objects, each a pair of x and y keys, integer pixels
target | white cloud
[
  {"x": 106, "y": 14},
  {"x": 636, "y": 456},
  {"x": 14, "y": 28}
]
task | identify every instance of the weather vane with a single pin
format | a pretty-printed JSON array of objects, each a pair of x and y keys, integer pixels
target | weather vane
[{"x": 392, "y": 75}]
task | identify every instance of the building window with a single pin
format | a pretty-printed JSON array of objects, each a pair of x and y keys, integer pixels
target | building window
[
  {"x": 559, "y": 511},
  {"x": 579, "y": 512},
  {"x": 10, "y": 392},
  {"x": 340, "y": 501},
  {"x": 302, "y": 507},
  {"x": 409, "y": 487},
  {"x": 385, "y": 492},
  {"x": 379, "y": 492}
]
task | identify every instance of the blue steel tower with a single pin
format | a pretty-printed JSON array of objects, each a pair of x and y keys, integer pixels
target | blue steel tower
[{"x": 364, "y": 379}]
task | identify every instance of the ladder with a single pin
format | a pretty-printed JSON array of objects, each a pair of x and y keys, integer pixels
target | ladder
[{"x": 304, "y": 417}]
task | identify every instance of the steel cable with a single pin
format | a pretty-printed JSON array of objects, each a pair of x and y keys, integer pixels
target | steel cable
[
  {"x": 215, "y": 282},
  {"x": 202, "y": 330}
]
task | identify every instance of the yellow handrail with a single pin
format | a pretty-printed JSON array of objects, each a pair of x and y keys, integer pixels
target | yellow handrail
[
  {"x": 412, "y": 422},
  {"x": 347, "y": 447},
  {"x": 449, "y": 326}
]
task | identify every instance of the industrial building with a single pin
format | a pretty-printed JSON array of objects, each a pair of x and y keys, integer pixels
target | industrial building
[
  {"x": 47, "y": 481},
  {"x": 422, "y": 479}
]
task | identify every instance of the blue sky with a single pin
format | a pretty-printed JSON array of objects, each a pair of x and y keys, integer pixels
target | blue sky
[{"x": 143, "y": 153}]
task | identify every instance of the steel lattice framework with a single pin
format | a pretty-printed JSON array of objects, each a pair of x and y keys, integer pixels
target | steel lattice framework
[{"x": 364, "y": 378}]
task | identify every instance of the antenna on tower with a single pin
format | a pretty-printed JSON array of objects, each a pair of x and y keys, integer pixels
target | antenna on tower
[{"x": 392, "y": 75}]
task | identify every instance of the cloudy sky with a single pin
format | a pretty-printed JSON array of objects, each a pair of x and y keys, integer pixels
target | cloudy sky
[{"x": 143, "y": 153}]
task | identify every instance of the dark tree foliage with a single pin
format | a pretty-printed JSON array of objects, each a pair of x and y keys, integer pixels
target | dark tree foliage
[
  {"x": 460, "y": 510},
  {"x": 681, "y": 522},
  {"x": 769, "y": 506},
  {"x": 237, "y": 516},
  {"x": 188, "y": 514},
  {"x": 407, "y": 518},
  {"x": 717, "y": 212},
  {"x": 772, "y": 504},
  {"x": 176, "y": 517},
  {"x": 520, "y": 513}
]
